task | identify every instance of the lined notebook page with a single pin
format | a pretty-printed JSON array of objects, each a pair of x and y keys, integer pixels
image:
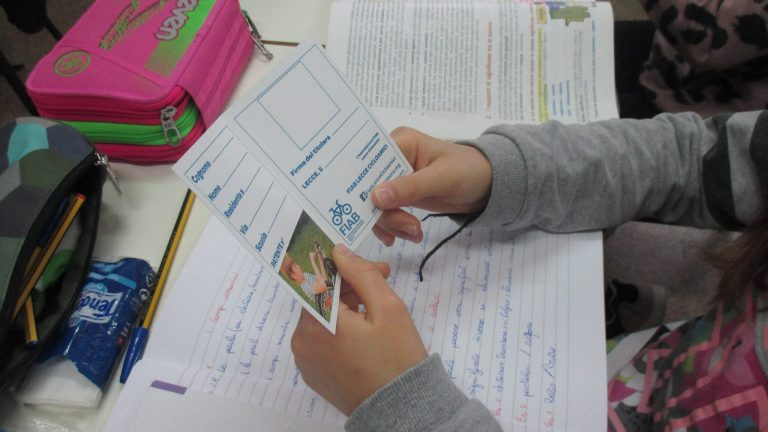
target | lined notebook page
[{"x": 517, "y": 321}]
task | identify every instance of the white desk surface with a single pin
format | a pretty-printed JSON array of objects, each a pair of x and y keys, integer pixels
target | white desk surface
[
  {"x": 290, "y": 20},
  {"x": 137, "y": 224}
]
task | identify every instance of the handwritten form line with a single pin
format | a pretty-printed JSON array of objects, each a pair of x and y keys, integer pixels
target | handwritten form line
[{"x": 494, "y": 305}]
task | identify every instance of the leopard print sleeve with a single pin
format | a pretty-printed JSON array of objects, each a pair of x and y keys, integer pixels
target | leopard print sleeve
[
  {"x": 714, "y": 34},
  {"x": 708, "y": 56}
]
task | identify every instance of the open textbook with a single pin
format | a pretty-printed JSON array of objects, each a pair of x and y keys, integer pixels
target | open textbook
[
  {"x": 516, "y": 318},
  {"x": 517, "y": 321},
  {"x": 452, "y": 69}
]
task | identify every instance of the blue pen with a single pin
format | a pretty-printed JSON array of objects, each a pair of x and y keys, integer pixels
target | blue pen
[
  {"x": 135, "y": 349},
  {"x": 141, "y": 333}
]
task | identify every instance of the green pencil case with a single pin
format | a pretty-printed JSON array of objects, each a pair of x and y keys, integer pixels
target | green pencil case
[{"x": 42, "y": 163}]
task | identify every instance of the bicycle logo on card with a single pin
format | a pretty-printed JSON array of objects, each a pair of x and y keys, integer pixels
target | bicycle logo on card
[
  {"x": 339, "y": 211},
  {"x": 343, "y": 217},
  {"x": 72, "y": 63}
]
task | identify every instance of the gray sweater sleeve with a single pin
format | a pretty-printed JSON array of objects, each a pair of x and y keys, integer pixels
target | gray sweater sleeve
[
  {"x": 674, "y": 168},
  {"x": 423, "y": 398}
]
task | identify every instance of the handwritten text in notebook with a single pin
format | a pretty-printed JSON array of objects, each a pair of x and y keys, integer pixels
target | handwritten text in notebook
[
  {"x": 289, "y": 170},
  {"x": 508, "y": 316}
]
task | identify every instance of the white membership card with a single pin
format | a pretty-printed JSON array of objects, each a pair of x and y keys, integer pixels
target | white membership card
[{"x": 289, "y": 170}]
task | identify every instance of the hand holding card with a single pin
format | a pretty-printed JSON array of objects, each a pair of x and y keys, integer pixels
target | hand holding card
[{"x": 290, "y": 168}]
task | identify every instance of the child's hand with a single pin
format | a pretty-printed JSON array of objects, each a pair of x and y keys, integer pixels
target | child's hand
[
  {"x": 369, "y": 349},
  {"x": 447, "y": 178}
]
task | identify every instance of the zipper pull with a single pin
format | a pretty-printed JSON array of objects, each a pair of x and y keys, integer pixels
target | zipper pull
[
  {"x": 256, "y": 36},
  {"x": 102, "y": 159},
  {"x": 166, "y": 119}
]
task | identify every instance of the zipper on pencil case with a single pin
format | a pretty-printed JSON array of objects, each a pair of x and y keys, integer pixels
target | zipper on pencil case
[
  {"x": 170, "y": 129},
  {"x": 124, "y": 133},
  {"x": 151, "y": 154},
  {"x": 255, "y": 35},
  {"x": 62, "y": 106},
  {"x": 144, "y": 118},
  {"x": 56, "y": 101},
  {"x": 103, "y": 160}
]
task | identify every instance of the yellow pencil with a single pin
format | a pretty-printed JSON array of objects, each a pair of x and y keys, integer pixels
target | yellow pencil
[
  {"x": 65, "y": 206},
  {"x": 31, "y": 327},
  {"x": 49, "y": 250},
  {"x": 141, "y": 333},
  {"x": 32, "y": 261},
  {"x": 170, "y": 254}
]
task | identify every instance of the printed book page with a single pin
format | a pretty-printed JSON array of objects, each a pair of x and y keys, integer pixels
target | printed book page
[
  {"x": 453, "y": 69},
  {"x": 517, "y": 321}
]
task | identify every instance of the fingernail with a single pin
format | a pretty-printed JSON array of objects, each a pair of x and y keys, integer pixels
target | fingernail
[
  {"x": 411, "y": 231},
  {"x": 384, "y": 196},
  {"x": 344, "y": 250}
]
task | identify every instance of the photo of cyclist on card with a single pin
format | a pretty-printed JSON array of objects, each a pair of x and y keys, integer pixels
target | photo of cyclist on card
[{"x": 307, "y": 268}]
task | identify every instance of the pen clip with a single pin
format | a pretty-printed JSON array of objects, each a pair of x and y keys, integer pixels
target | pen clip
[{"x": 256, "y": 36}]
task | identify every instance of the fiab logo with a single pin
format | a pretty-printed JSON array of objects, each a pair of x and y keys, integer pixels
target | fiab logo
[{"x": 344, "y": 218}]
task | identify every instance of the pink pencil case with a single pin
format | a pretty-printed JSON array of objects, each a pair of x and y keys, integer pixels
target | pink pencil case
[{"x": 143, "y": 78}]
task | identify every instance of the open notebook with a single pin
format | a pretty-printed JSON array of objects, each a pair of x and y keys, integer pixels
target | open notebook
[{"x": 518, "y": 322}]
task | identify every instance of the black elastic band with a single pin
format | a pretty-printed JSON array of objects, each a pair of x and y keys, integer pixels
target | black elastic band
[{"x": 469, "y": 220}]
